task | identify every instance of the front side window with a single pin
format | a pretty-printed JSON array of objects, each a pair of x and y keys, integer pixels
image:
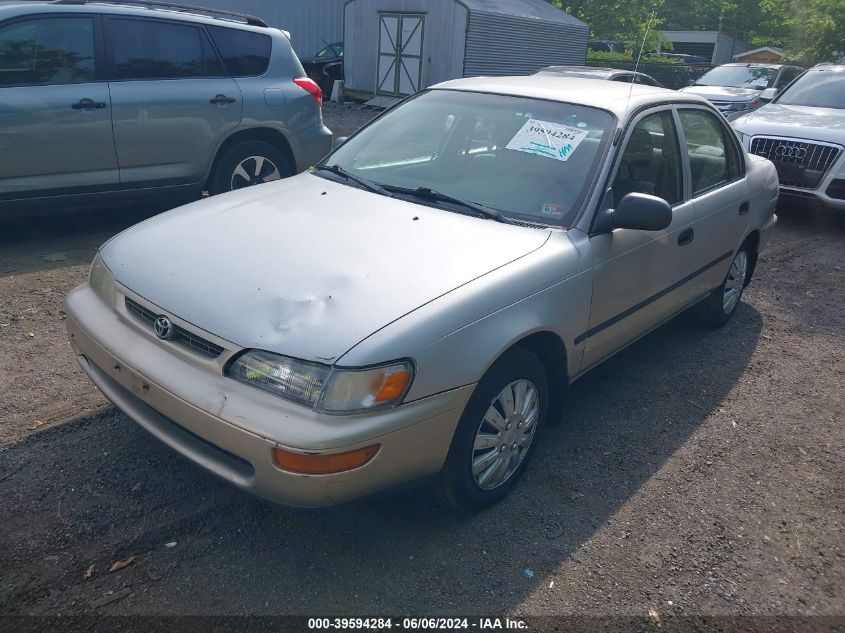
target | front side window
[
  {"x": 713, "y": 157},
  {"x": 756, "y": 77},
  {"x": 245, "y": 54},
  {"x": 144, "y": 49},
  {"x": 817, "y": 89},
  {"x": 527, "y": 158},
  {"x": 47, "y": 51},
  {"x": 651, "y": 161}
]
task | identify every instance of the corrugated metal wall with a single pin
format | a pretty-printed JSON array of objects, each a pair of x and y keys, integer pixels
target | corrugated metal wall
[
  {"x": 506, "y": 45},
  {"x": 443, "y": 43},
  {"x": 309, "y": 21}
]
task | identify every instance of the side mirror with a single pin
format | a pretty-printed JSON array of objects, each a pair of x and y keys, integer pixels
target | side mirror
[
  {"x": 638, "y": 211},
  {"x": 768, "y": 94},
  {"x": 642, "y": 212},
  {"x": 340, "y": 140}
]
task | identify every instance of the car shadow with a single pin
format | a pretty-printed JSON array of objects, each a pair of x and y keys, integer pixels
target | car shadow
[
  {"x": 37, "y": 240},
  {"x": 119, "y": 493}
]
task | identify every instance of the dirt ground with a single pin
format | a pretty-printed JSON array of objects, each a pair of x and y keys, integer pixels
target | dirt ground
[{"x": 697, "y": 472}]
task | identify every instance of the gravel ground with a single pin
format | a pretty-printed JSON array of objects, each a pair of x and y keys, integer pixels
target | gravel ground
[{"x": 697, "y": 472}]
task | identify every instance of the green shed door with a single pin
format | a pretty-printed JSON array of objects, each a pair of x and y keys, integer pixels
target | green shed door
[{"x": 400, "y": 48}]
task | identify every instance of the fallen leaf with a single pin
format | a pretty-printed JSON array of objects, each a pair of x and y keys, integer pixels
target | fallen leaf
[
  {"x": 30, "y": 334},
  {"x": 654, "y": 616},
  {"x": 137, "y": 487},
  {"x": 37, "y": 424},
  {"x": 121, "y": 564},
  {"x": 89, "y": 572}
]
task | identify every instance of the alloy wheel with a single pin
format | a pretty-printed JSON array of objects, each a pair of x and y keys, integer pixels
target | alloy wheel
[{"x": 254, "y": 170}]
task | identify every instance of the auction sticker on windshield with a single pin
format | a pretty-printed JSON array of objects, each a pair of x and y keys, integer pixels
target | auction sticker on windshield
[{"x": 552, "y": 140}]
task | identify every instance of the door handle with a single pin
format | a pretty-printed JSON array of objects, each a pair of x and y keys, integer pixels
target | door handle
[
  {"x": 88, "y": 104},
  {"x": 686, "y": 237},
  {"x": 221, "y": 100},
  {"x": 744, "y": 208}
]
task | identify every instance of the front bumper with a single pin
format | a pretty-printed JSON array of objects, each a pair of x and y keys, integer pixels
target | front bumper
[{"x": 230, "y": 428}]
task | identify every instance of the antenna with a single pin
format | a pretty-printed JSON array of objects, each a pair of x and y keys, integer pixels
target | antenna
[{"x": 639, "y": 57}]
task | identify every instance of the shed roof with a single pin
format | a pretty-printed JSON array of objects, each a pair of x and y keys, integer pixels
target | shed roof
[{"x": 536, "y": 9}]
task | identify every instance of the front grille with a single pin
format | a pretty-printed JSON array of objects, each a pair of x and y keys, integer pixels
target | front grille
[
  {"x": 800, "y": 164},
  {"x": 180, "y": 335},
  {"x": 837, "y": 189}
]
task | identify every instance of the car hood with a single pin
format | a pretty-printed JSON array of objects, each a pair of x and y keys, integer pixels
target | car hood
[
  {"x": 820, "y": 124},
  {"x": 305, "y": 266},
  {"x": 723, "y": 93}
]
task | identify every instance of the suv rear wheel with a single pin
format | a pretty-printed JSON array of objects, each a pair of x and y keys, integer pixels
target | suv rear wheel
[{"x": 246, "y": 164}]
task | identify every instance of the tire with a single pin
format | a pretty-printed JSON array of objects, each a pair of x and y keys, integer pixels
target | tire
[
  {"x": 718, "y": 308},
  {"x": 248, "y": 155},
  {"x": 516, "y": 370}
]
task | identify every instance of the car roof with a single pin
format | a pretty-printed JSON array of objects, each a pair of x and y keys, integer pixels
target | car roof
[
  {"x": 141, "y": 8},
  {"x": 607, "y": 95},
  {"x": 756, "y": 65},
  {"x": 829, "y": 67},
  {"x": 582, "y": 70}
]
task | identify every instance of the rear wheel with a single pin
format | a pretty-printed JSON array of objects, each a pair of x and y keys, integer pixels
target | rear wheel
[
  {"x": 720, "y": 306},
  {"x": 246, "y": 164},
  {"x": 496, "y": 435}
]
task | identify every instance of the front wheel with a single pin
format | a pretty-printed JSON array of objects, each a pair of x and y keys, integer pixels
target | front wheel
[
  {"x": 721, "y": 304},
  {"x": 246, "y": 164},
  {"x": 496, "y": 433}
]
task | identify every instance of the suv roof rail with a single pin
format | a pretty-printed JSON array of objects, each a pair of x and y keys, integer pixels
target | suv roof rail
[{"x": 251, "y": 20}]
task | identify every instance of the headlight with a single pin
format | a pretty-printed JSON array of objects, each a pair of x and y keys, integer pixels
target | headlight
[
  {"x": 101, "y": 280},
  {"x": 743, "y": 138},
  {"x": 323, "y": 388},
  {"x": 742, "y": 106}
]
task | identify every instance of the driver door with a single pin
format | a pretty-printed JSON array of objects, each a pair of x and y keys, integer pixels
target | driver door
[{"x": 636, "y": 273}]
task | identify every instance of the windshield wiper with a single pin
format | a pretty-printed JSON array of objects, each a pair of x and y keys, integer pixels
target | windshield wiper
[
  {"x": 369, "y": 185},
  {"x": 424, "y": 193}
]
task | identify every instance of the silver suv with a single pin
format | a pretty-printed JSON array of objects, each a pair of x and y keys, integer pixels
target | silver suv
[{"x": 107, "y": 99}]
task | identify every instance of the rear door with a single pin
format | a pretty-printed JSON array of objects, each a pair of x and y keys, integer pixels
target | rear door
[
  {"x": 55, "y": 111},
  {"x": 172, "y": 103},
  {"x": 719, "y": 192}
]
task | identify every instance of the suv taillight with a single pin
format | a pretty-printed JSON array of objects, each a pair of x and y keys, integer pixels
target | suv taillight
[{"x": 311, "y": 87}]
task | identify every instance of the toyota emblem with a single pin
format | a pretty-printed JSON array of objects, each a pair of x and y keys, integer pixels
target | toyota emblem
[
  {"x": 163, "y": 328},
  {"x": 790, "y": 151}
]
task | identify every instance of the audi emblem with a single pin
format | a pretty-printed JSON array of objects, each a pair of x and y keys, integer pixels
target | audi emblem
[
  {"x": 163, "y": 328},
  {"x": 790, "y": 151}
]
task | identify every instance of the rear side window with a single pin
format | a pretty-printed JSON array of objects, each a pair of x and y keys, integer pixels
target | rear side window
[
  {"x": 144, "y": 49},
  {"x": 47, "y": 51},
  {"x": 245, "y": 54},
  {"x": 712, "y": 155}
]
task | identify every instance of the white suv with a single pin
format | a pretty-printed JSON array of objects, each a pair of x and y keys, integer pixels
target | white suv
[{"x": 803, "y": 133}]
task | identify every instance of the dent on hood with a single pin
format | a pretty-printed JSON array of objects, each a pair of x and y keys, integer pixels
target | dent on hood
[{"x": 286, "y": 316}]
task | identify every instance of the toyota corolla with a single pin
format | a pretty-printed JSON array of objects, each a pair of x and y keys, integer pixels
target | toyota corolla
[{"x": 417, "y": 304}]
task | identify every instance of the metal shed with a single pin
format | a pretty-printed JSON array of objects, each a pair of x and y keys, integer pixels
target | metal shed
[
  {"x": 397, "y": 47},
  {"x": 311, "y": 23}
]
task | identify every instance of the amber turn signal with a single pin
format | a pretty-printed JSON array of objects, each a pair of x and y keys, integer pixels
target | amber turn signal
[{"x": 324, "y": 464}]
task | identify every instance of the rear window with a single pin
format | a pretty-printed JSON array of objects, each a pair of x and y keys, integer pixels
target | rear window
[
  {"x": 245, "y": 54},
  {"x": 47, "y": 51},
  {"x": 161, "y": 50}
]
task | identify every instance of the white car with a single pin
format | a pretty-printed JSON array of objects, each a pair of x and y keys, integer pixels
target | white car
[{"x": 803, "y": 133}]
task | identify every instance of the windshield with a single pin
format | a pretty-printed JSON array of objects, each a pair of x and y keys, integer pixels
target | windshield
[
  {"x": 527, "y": 158},
  {"x": 739, "y": 77},
  {"x": 819, "y": 89},
  {"x": 331, "y": 50}
]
